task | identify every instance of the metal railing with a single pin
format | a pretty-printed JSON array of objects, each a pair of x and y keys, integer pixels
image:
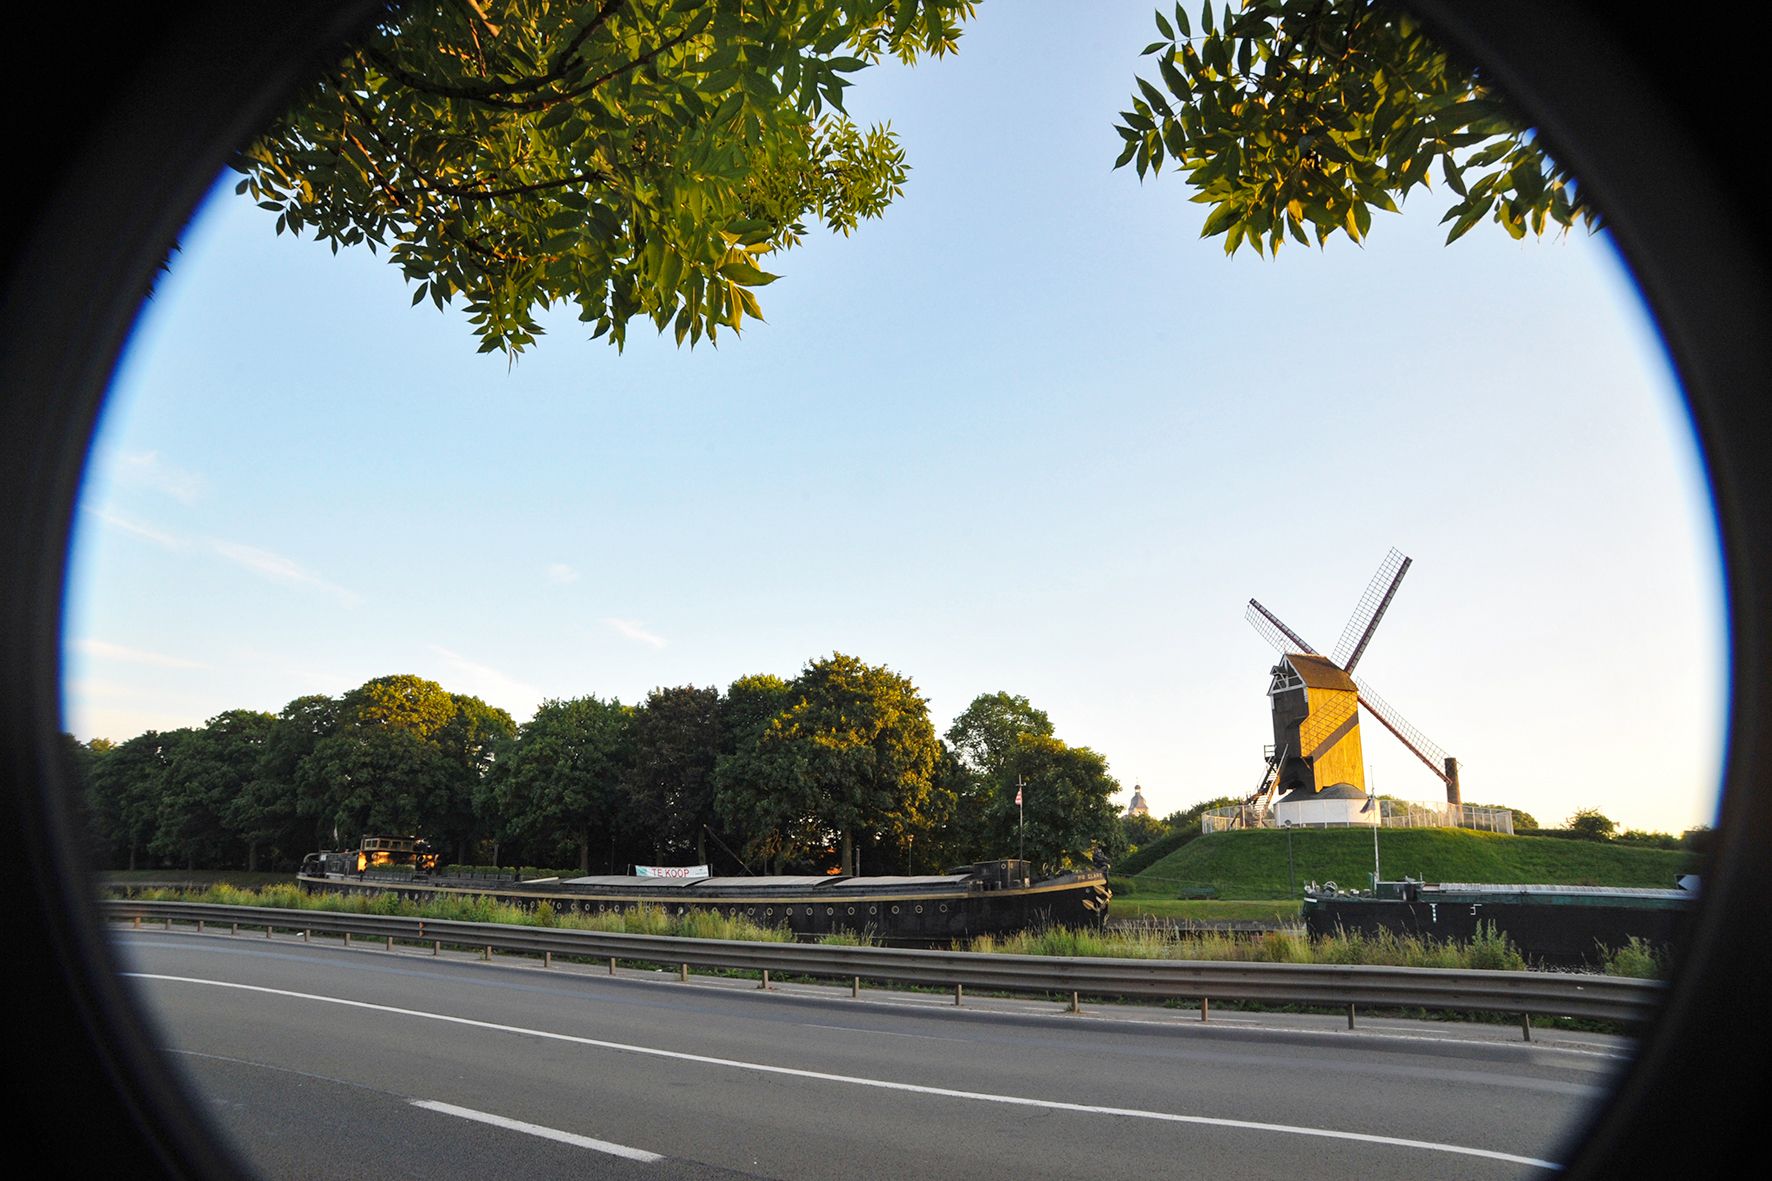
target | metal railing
[
  {"x": 1340, "y": 813},
  {"x": 1603, "y": 998}
]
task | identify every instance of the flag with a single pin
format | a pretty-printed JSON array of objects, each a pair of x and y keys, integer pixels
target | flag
[{"x": 1018, "y": 795}]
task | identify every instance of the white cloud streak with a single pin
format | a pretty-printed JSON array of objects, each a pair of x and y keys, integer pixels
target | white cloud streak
[
  {"x": 635, "y": 631},
  {"x": 147, "y": 532},
  {"x": 104, "y": 650},
  {"x": 559, "y": 573},
  {"x": 489, "y": 684},
  {"x": 278, "y": 568}
]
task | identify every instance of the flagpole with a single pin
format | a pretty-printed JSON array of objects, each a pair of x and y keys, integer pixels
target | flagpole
[{"x": 1021, "y": 826}]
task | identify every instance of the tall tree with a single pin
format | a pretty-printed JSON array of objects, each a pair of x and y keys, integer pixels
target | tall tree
[
  {"x": 1298, "y": 118},
  {"x": 301, "y": 725},
  {"x": 207, "y": 770},
  {"x": 753, "y": 790},
  {"x": 123, "y": 796},
  {"x": 983, "y": 736},
  {"x": 854, "y": 754},
  {"x": 468, "y": 742},
  {"x": 382, "y": 769},
  {"x": 558, "y": 783},
  {"x": 676, "y": 740},
  {"x": 626, "y": 157}
]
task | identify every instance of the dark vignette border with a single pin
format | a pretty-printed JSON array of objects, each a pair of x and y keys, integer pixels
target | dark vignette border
[{"x": 111, "y": 155}]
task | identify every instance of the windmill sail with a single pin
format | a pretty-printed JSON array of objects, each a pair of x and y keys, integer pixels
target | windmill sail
[
  {"x": 1370, "y": 609},
  {"x": 1418, "y": 743},
  {"x": 1283, "y": 638}
]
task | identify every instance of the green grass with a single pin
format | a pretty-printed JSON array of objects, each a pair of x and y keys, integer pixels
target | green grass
[{"x": 1252, "y": 865}]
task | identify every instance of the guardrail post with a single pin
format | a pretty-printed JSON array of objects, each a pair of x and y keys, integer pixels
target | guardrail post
[
  {"x": 307, "y": 936},
  {"x": 959, "y": 991},
  {"x": 138, "y": 922},
  {"x": 1076, "y": 1005},
  {"x": 436, "y": 947},
  {"x": 1205, "y": 1004},
  {"x": 199, "y": 926},
  {"x": 234, "y": 929},
  {"x": 488, "y": 956},
  {"x": 1526, "y": 1026},
  {"x": 267, "y": 930},
  {"x": 390, "y": 943},
  {"x": 683, "y": 973},
  {"x": 612, "y": 965},
  {"x": 547, "y": 959},
  {"x": 347, "y": 938},
  {"x": 855, "y": 987},
  {"x": 1350, "y": 1016},
  {"x": 765, "y": 983}
]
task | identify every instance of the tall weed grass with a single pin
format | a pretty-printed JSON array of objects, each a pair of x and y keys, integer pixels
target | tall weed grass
[
  {"x": 477, "y": 908},
  {"x": 1490, "y": 949}
]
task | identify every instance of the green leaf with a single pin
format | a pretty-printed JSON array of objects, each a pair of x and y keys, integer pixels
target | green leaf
[
  {"x": 1163, "y": 25},
  {"x": 1470, "y": 217},
  {"x": 1153, "y": 96},
  {"x": 1220, "y": 219},
  {"x": 1454, "y": 178},
  {"x": 743, "y": 272}
]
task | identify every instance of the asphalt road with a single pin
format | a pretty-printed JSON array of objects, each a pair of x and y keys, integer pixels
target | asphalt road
[{"x": 316, "y": 1060}]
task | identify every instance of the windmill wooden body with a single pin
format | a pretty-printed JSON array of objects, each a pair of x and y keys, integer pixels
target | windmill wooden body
[{"x": 1317, "y": 754}]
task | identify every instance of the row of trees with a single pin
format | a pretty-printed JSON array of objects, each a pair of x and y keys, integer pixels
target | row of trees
[{"x": 840, "y": 767}]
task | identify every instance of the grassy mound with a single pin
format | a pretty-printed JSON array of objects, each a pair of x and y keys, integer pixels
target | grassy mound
[{"x": 1254, "y": 864}]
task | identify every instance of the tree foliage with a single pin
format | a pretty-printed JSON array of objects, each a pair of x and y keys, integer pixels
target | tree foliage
[
  {"x": 675, "y": 745},
  {"x": 983, "y": 736},
  {"x": 630, "y": 158},
  {"x": 1298, "y": 118},
  {"x": 851, "y": 754},
  {"x": 559, "y": 781},
  {"x": 1067, "y": 803},
  {"x": 1591, "y": 825}
]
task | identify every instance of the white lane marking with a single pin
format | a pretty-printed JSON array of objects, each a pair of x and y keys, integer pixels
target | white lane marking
[
  {"x": 516, "y": 1125},
  {"x": 881, "y": 1084}
]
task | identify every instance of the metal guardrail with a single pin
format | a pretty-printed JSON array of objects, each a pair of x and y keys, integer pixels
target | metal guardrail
[{"x": 1549, "y": 994}]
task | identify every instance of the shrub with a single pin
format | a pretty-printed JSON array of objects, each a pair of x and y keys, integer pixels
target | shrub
[{"x": 1638, "y": 958}]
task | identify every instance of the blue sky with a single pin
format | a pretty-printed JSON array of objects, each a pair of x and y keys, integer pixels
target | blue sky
[{"x": 1028, "y": 432}]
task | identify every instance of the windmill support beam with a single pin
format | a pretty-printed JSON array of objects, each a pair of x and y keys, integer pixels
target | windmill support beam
[{"x": 1453, "y": 794}]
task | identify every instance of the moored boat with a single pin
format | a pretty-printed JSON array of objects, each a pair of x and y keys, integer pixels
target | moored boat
[
  {"x": 987, "y": 898},
  {"x": 1552, "y": 925}
]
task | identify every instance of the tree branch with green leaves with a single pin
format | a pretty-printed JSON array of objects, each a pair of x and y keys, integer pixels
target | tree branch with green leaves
[
  {"x": 1298, "y": 118},
  {"x": 630, "y": 158}
]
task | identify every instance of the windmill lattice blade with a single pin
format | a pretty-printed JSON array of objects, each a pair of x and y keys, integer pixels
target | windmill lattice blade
[
  {"x": 1370, "y": 609},
  {"x": 1283, "y": 638},
  {"x": 1418, "y": 743}
]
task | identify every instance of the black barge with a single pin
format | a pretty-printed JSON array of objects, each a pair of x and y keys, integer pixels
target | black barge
[
  {"x": 1559, "y": 926},
  {"x": 988, "y": 898}
]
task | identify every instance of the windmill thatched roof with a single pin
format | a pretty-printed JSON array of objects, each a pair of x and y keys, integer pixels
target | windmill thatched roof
[{"x": 1319, "y": 672}]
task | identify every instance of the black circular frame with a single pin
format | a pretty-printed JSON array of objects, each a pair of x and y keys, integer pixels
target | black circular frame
[{"x": 110, "y": 160}]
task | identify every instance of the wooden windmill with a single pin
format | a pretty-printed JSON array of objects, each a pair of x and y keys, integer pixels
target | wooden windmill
[{"x": 1317, "y": 702}]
